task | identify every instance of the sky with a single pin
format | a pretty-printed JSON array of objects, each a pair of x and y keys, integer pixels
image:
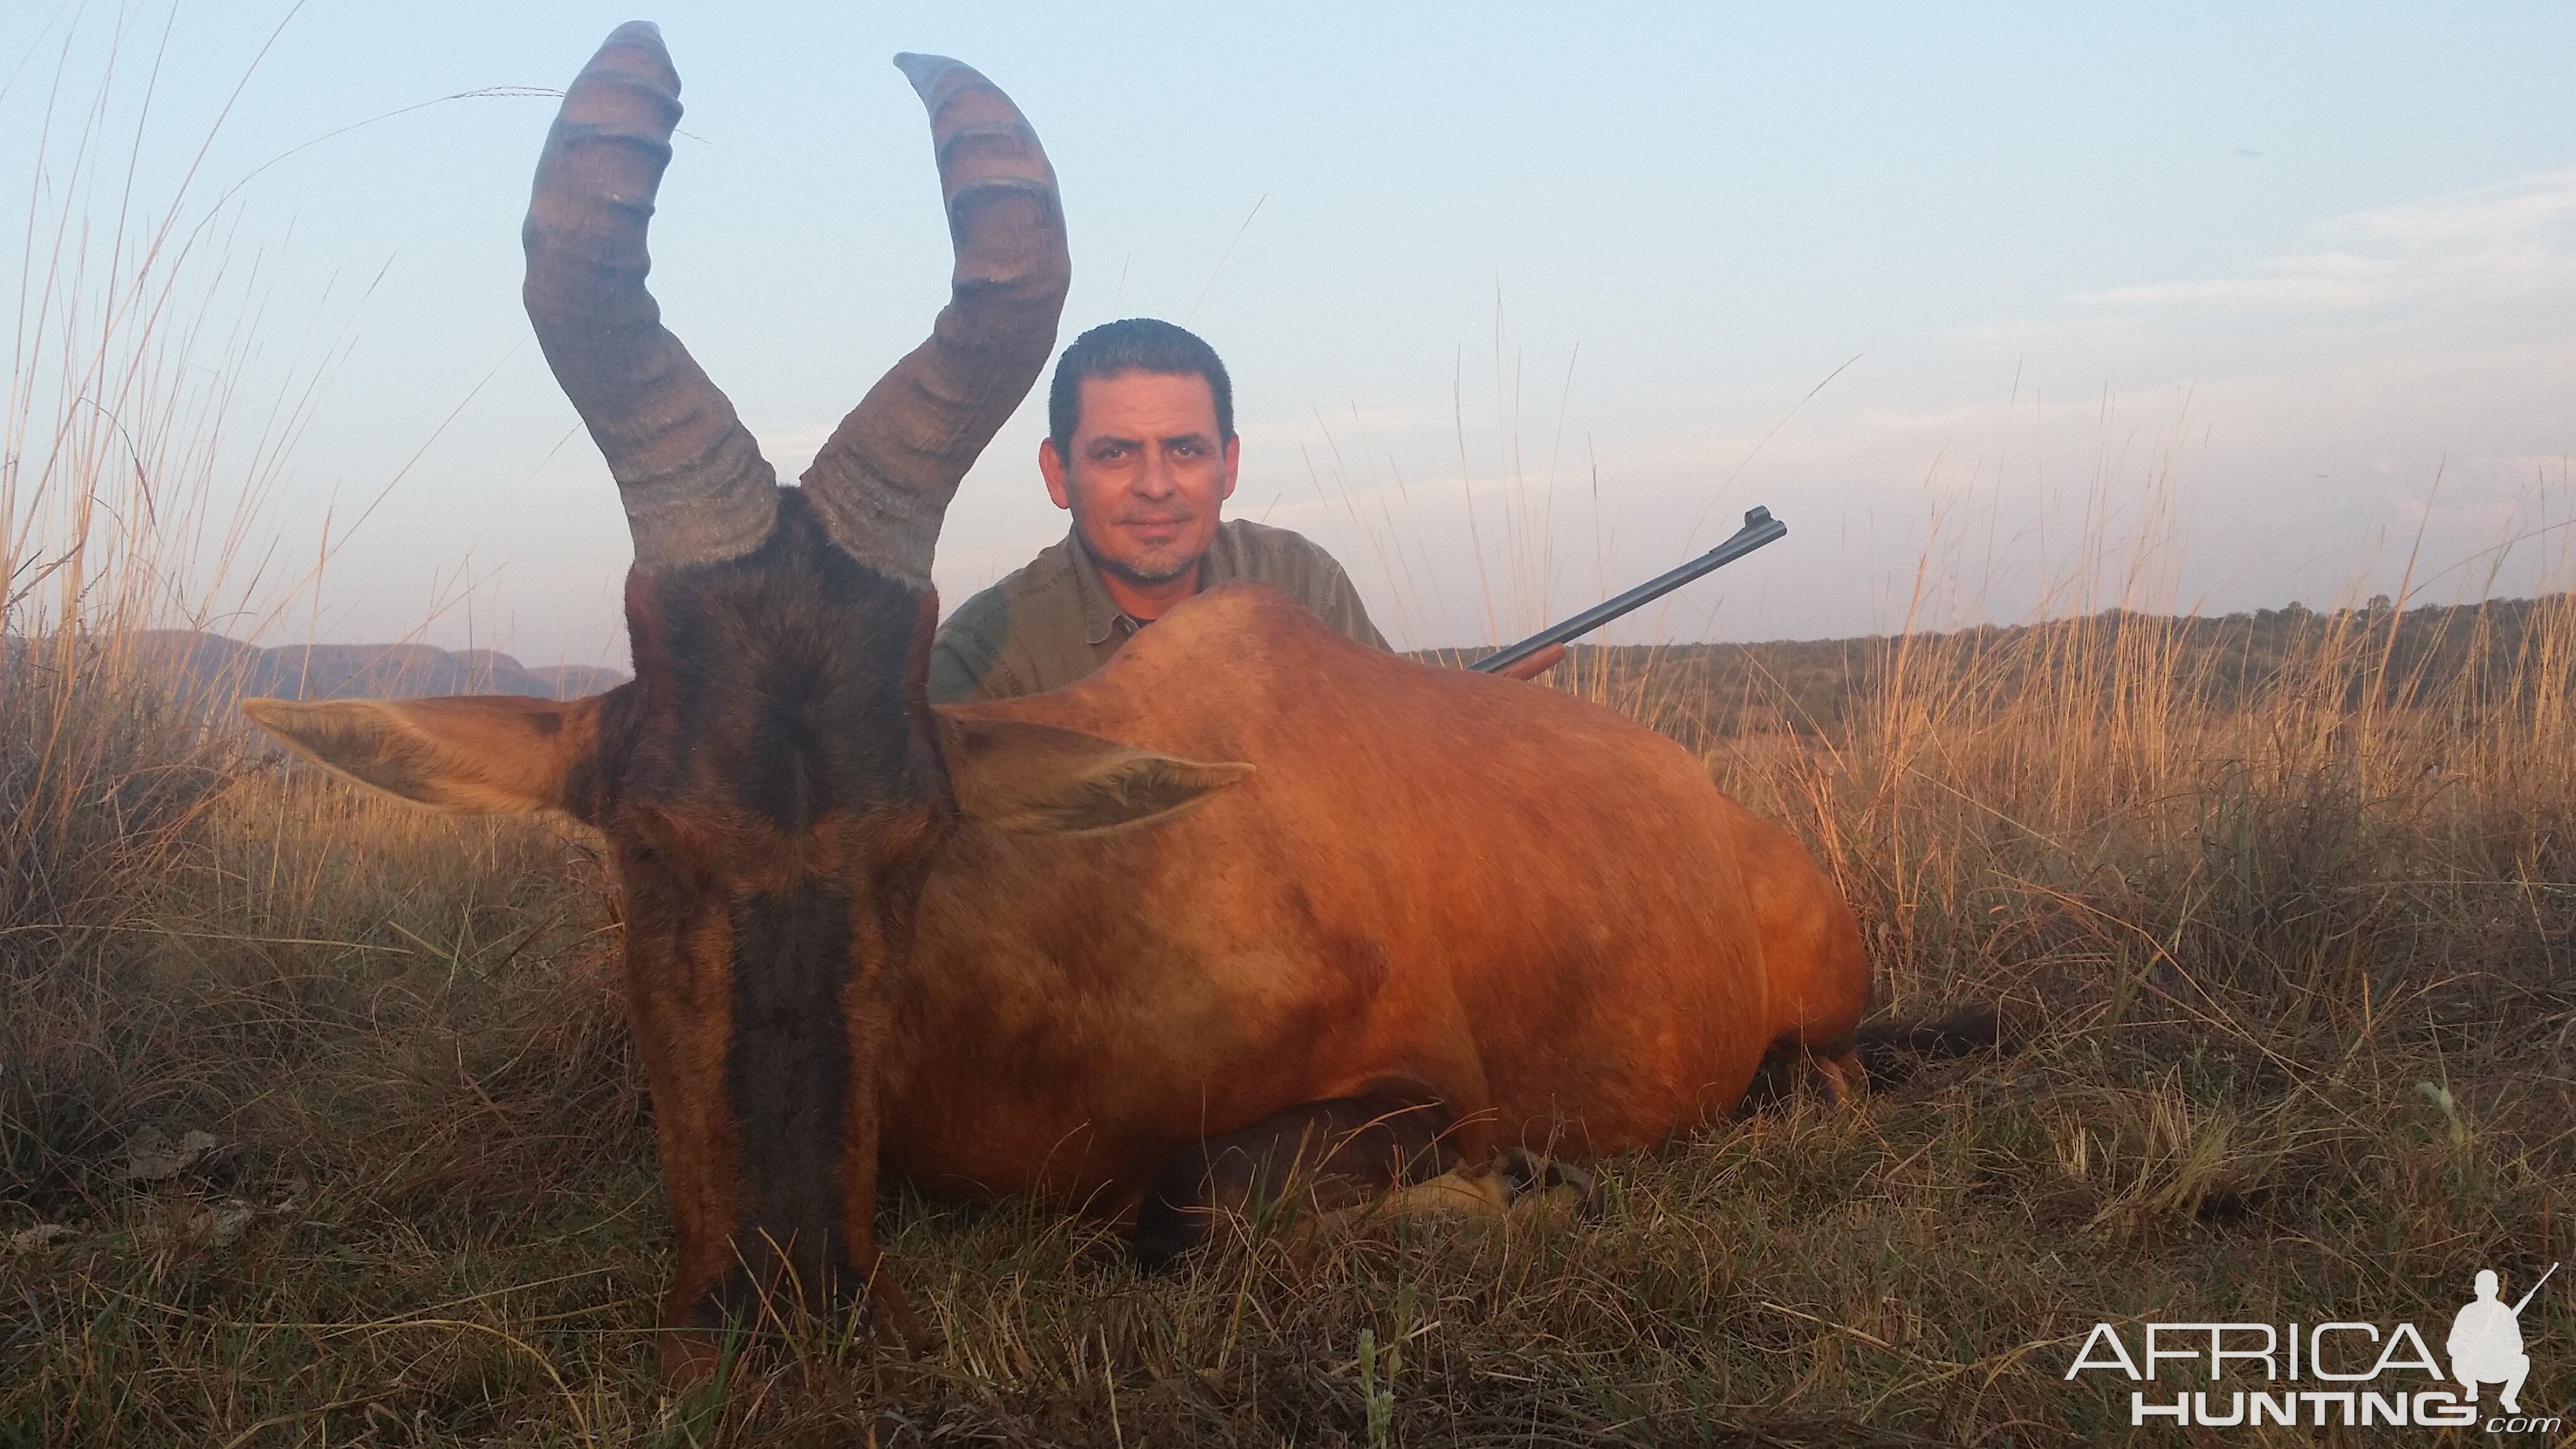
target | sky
[{"x": 2006, "y": 310}]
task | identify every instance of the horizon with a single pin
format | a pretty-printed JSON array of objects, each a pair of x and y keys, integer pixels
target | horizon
[
  {"x": 2293, "y": 609},
  {"x": 1964, "y": 301}
]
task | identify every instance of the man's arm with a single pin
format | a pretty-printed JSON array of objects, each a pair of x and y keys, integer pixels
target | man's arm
[
  {"x": 1340, "y": 605},
  {"x": 966, "y": 661}
]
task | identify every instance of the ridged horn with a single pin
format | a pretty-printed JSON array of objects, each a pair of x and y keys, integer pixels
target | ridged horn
[
  {"x": 695, "y": 486},
  {"x": 882, "y": 484}
]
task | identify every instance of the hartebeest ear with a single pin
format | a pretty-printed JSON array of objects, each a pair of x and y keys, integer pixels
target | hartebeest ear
[
  {"x": 1038, "y": 779},
  {"x": 472, "y": 754}
]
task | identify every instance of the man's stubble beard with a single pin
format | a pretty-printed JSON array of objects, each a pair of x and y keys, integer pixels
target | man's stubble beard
[{"x": 1141, "y": 574}]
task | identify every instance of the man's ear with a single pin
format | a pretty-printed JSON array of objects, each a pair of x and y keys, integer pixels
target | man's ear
[
  {"x": 1233, "y": 465},
  {"x": 1036, "y": 779},
  {"x": 1051, "y": 468},
  {"x": 472, "y": 754}
]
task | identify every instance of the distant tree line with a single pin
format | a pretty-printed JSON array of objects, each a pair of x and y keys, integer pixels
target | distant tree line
[{"x": 2465, "y": 656}]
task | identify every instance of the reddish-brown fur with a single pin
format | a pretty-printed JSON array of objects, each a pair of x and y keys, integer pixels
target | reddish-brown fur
[
  {"x": 1818, "y": 978},
  {"x": 1533, "y": 905}
]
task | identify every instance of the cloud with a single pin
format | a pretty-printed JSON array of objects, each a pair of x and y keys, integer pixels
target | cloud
[
  {"x": 2495, "y": 242},
  {"x": 2328, "y": 281}
]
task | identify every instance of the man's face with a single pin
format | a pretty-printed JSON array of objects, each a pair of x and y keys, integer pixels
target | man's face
[{"x": 1146, "y": 475}]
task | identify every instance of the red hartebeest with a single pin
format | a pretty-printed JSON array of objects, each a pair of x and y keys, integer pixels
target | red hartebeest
[{"x": 862, "y": 933}]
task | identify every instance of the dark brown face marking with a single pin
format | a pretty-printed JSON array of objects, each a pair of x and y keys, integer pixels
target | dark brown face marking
[
  {"x": 777, "y": 800},
  {"x": 787, "y": 1072}
]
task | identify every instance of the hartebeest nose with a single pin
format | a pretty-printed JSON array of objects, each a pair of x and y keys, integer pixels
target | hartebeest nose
[{"x": 788, "y": 1073}]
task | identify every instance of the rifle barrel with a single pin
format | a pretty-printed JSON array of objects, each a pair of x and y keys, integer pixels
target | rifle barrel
[{"x": 1759, "y": 528}]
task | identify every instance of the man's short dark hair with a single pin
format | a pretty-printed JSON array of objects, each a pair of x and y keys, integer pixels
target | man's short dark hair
[{"x": 1137, "y": 344}]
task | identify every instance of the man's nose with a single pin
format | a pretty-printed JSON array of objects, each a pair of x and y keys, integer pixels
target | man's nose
[{"x": 1156, "y": 479}]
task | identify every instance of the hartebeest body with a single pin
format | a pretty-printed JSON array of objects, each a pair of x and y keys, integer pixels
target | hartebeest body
[
  {"x": 1046, "y": 944},
  {"x": 1575, "y": 958}
]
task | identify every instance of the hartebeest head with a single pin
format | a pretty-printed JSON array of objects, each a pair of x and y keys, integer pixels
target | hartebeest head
[{"x": 772, "y": 782}]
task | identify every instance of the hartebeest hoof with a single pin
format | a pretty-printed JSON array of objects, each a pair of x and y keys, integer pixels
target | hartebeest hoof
[
  {"x": 1546, "y": 1187},
  {"x": 1833, "y": 1074}
]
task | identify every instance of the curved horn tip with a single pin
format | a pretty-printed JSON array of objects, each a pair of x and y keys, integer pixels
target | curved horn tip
[
  {"x": 925, "y": 71},
  {"x": 637, "y": 37}
]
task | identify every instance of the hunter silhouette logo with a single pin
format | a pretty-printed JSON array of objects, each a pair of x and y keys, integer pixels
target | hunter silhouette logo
[
  {"x": 2364, "y": 1375},
  {"x": 2486, "y": 1342}
]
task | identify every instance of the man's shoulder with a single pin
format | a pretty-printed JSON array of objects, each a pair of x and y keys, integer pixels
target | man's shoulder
[
  {"x": 981, "y": 650},
  {"x": 1274, "y": 555},
  {"x": 988, "y": 607},
  {"x": 1299, "y": 567}
]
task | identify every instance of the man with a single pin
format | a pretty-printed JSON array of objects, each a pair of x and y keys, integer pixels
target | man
[{"x": 1141, "y": 449}]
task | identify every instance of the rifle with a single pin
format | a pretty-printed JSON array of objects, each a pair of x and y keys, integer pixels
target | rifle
[{"x": 1759, "y": 528}]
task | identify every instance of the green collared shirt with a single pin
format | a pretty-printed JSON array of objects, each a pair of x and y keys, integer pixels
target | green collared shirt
[{"x": 1053, "y": 621}]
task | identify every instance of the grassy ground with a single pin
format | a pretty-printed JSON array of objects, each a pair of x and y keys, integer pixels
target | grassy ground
[{"x": 2289, "y": 978}]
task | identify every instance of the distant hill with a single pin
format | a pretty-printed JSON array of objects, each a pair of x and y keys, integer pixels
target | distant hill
[{"x": 210, "y": 667}]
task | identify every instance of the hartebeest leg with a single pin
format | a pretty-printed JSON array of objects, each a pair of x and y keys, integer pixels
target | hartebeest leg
[
  {"x": 1833, "y": 1072},
  {"x": 1838, "y": 1075},
  {"x": 1326, "y": 1155}
]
